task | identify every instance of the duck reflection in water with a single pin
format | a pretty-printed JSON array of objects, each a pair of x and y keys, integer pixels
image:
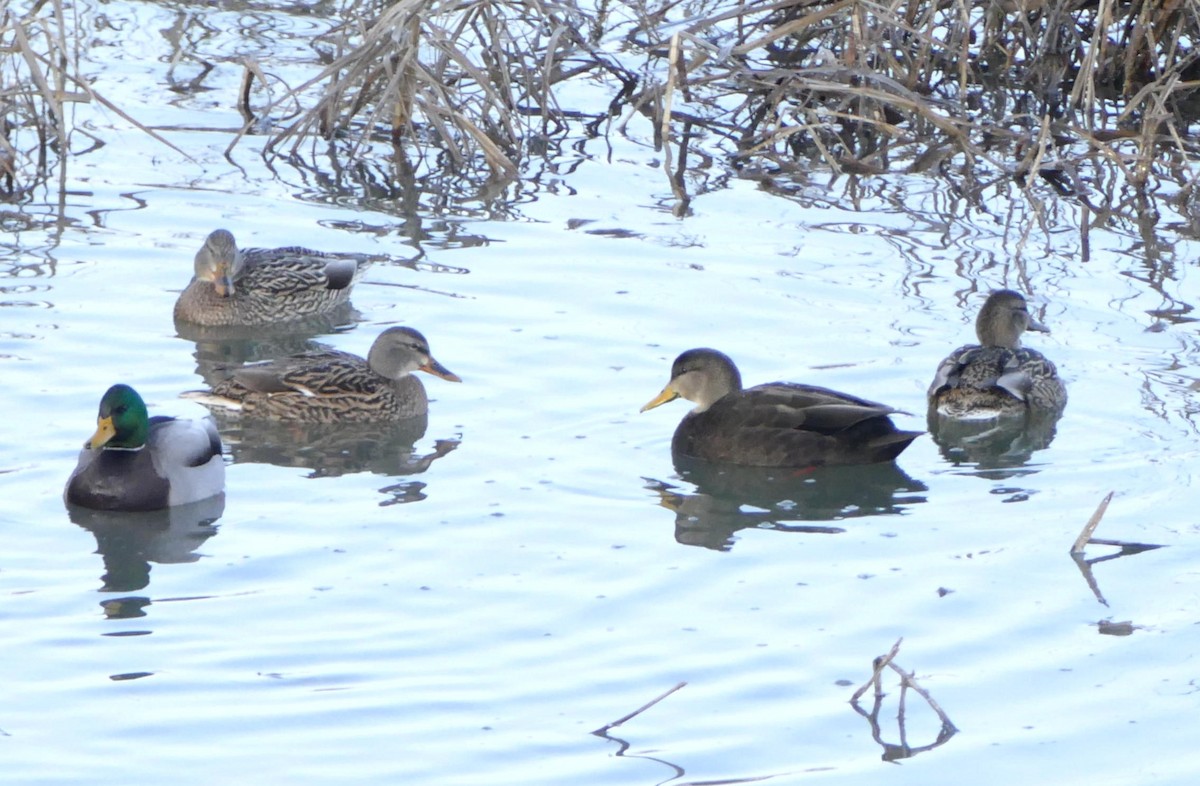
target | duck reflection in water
[
  {"x": 129, "y": 542},
  {"x": 998, "y": 448},
  {"x": 333, "y": 449},
  {"x": 729, "y": 498},
  {"x": 222, "y": 350}
]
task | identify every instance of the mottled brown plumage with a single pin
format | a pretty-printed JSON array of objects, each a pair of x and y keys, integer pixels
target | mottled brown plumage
[
  {"x": 329, "y": 386},
  {"x": 998, "y": 376},
  {"x": 263, "y": 286},
  {"x": 779, "y": 424}
]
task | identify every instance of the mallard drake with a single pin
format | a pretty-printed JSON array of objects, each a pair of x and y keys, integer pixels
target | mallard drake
[
  {"x": 329, "y": 386},
  {"x": 134, "y": 462},
  {"x": 998, "y": 376},
  {"x": 262, "y": 286},
  {"x": 779, "y": 424}
]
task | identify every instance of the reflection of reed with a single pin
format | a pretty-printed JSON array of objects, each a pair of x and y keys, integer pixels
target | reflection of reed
[
  {"x": 129, "y": 542},
  {"x": 730, "y": 498},
  {"x": 186, "y": 36}
]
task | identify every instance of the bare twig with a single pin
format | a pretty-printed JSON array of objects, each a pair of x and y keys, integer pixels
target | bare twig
[
  {"x": 1086, "y": 534},
  {"x": 604, "y": 729},
  {"x": 908, "y": 682},
  {"x": 881, "y": 663}
]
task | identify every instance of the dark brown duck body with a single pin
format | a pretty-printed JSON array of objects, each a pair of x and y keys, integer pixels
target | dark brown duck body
[{"x": 779, "y": 424}]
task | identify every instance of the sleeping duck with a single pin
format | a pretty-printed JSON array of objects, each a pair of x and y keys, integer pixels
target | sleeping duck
[
  {"x": 263, "y": 286},
  {"x": 134, "y": 462}
]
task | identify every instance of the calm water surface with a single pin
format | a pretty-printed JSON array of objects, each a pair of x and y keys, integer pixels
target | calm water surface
[{"x": 467, "y": 604}]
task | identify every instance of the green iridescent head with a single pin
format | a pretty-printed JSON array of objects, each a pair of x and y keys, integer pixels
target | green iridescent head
[{"x": 122, "y": 422}]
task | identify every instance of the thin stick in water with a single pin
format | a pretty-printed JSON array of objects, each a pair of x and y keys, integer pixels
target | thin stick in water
[
  {"x": 604, "y": 729},
  {"x": 1086, "y": 535},
  {"x": 880, "y": 664}
]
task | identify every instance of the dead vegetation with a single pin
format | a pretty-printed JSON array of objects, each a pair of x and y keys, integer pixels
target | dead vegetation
[
  {"x": 36, "y": 57},
  {"x": 40, "y": 79},
  {"x": 1086, "y": 100}
]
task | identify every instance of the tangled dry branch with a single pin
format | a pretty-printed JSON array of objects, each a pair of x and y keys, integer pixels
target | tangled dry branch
[{"x": 1071, "y": 97}]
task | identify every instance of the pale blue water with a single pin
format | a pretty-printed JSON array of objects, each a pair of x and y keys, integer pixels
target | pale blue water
[{"x": 533, "y": 587}]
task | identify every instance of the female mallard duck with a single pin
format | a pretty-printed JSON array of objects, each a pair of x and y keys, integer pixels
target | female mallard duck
[
  {"x": 998, "y": 376},
  {"x": 779, "y": 424},
  {"x": 262, "y": 286},
  {"x": 135, "y": 462},
  {"x": 328, "y": 386}
]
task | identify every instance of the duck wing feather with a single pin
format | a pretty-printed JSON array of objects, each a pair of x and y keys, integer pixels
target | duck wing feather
[
  {"x": 322, "y": 372},
  {"x": 789, "y": 424}
]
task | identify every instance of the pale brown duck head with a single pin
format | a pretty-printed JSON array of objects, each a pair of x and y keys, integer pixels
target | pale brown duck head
[
  {"x": 219, "y": 262},
  {"x": 399, "y": 351},
  {"x": 1003, "y": 318}
]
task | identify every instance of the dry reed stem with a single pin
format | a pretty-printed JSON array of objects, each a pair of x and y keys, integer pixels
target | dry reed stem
[
  {"x": 50, "y": 97},
  {"x": 1086, "y": 534},
  {"x": 911, "y": 77},
  {"x": 795, "y": 26},
  {"x": 952, "y": 88},
  {"x": 410, "y": 63},
  {"x": 49, "y": 50}
]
